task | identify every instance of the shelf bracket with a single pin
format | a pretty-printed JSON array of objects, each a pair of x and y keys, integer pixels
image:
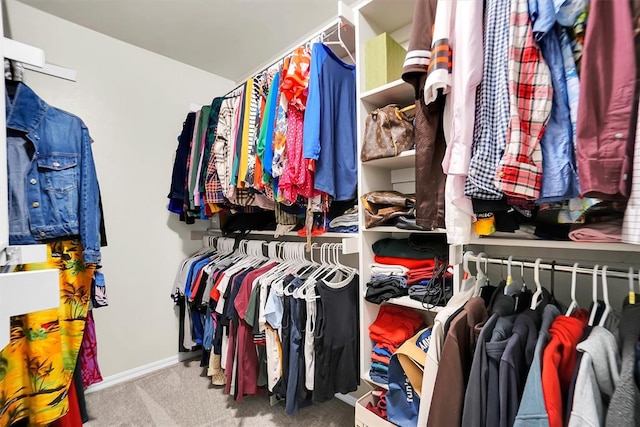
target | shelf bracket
[
  {"x": 42, "y": 288},
  {"x": 23, "y": 254}
]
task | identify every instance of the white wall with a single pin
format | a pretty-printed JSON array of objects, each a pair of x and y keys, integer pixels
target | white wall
[{"x": 133, "y": 102}]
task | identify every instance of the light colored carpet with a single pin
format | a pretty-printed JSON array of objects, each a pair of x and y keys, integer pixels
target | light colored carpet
[{"x": 181, "y": 396}]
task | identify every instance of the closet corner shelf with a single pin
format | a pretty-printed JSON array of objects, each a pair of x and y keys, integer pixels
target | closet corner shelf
[
  {"x": 396, "y": 92},
  {"x": 392, "y": 229},
  {"x": 328, "y": 235},
  {"x": 406, "y": 159},
  {"x": 387, "y": 16},
  {"x": 407, "y": 302},
  {"x": 556, "y": 244},
  {"x": 368, "y": 379}
]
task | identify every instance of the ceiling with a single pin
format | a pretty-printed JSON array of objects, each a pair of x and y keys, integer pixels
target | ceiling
[{"x": 230, "y": 38}]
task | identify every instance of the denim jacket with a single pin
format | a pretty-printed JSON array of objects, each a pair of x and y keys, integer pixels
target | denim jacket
[{"x": 53, "y": 187}]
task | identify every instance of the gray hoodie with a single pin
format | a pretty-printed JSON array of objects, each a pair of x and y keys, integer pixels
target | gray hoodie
[
  {"x": 624, "y": 409},
  {"x": 597, "y": 378}
]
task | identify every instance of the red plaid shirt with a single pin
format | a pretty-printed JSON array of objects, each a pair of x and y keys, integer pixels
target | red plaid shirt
[{"x": 519, "y": 173}]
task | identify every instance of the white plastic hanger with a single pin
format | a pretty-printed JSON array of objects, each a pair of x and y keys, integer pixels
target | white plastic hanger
[
  {"x": 340, "y": 42},
  {"x": 605, "y": 294},
  {"x": 632, "y": 293},
  {"x": 481, "y": 275},
  {"x": 323, "y": 267},
  {"x": 594, "y": 295},
  {"x": 509, "y": 275},
  {"x": 465, "y": 263},
  {"x": 302, "y": 289},
  {"x": 536, "y": 279},
  {"x": 574, "y": 301},
  {"x": 469, "y": 281}
]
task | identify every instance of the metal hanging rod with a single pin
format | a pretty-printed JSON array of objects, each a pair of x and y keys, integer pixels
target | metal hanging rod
[
  {"x": 330, "y": 29},
  {"x": 315, "y": 246},
  {"x": 546, "y": 266}
]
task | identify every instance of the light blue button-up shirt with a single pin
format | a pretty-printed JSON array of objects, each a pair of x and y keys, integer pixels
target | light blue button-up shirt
[{"x": 559, "y": 175}]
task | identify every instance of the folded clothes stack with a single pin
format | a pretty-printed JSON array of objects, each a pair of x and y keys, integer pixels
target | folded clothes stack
[
  {"x": 425, "y": 273},
  {"x": 388, "y": 269},
  {"x": 393, "y": 326},
  {"x": 403, "y": 263},
  {"x": 383, "y": 279},
  {"x": 608, "y": 230},
  {"x": 345, "y": 223},
  {"x": 432, "y": 293}
]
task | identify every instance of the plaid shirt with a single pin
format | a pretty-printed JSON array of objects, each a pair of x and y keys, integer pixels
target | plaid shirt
[
  {"x": 221, "y": 152},
  {"x": 209, "y": 180},
  {"x": 519, "y": 173},
  {"x": 492, "y": 109}
]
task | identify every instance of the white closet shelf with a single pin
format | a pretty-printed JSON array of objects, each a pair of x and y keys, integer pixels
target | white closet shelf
[
  {"x": 406, "y": 159},
  {"x": 198, "y": 235},
  {"x": 556, "y": 244},
  {"x": 368, "y": 379},
  {"x": 392, "y": 229},
  {"x": 350, "y": 241},
  {"x": 327, "y": 235},
  {"x": 397, "y": 92},
  {"x": 407, "y": 302},
  {"x": 387, "y": 16}
]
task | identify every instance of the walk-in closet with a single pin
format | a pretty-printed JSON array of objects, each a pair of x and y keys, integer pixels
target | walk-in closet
[{"x": 359, "y": 213}]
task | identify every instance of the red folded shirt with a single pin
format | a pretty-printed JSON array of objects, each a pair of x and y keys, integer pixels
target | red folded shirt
[
  {"x": 409, "y": 263},
  {"x": 394, "y": 325},
  {"x": 416, "y": 274}
]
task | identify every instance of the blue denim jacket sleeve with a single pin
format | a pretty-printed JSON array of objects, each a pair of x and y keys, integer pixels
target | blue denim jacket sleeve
[
  {"x": 89, "y": 204},
  {"x": 53, "y": 185}
]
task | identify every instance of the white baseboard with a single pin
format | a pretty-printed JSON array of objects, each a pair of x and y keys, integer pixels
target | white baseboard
[{"x": 134, "y": 373}]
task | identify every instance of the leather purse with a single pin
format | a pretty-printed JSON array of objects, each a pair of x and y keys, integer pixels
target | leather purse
[
  {"x": 382, "y": 207},
  {"x": 388, "y": 131}
]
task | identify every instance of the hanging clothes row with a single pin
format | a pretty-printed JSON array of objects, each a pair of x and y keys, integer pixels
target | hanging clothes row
[
  {"x": 283, "y": 141},
  {"x": 513, "y": 355},
  {"x": 282, "y": 322},
  {"x": 527, "y": 118}
]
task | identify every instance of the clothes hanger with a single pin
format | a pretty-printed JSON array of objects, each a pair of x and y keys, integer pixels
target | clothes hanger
[
  {"x": 481, "y": 276},
  {"x": 308, "y": 265},
  {"x": 574, "y": 301},
  {"x": 509, "y": 276},
  {"x": 605, "y": 294},
  {"x": 340, "y": 42},
  {"x": 469, "y": 280},
  {"x": 516, "y": 295},
  {"x": 349, "y": 271},
  {"x": 308, "y": 288},
  {"x": 536, "y": 279},
  {"x": 301, "y": 290},
  {"x": 552, "y": 284},
  {"x": 325, "y": 267},
  {"x": 594, "y": 295},
  {"x": 632, "y": 293},
  {"x": 287, "y": 291},
  {"x": 465, "y": 264}
]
